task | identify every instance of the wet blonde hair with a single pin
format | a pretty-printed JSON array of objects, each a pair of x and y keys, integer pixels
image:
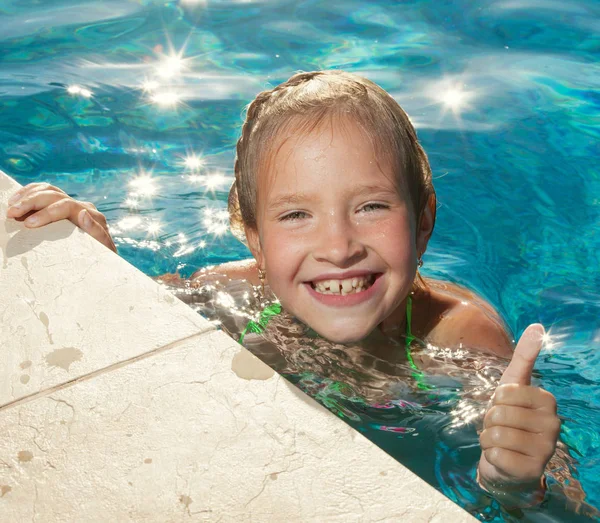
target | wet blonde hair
[{"x": 301, "y": 104}]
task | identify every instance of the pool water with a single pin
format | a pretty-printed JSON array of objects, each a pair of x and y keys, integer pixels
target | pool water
[{"x": 137, "y": 105}]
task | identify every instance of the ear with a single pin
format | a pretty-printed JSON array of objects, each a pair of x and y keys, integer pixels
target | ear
[
  {"x": 253, "y": 241},
  {"x": 425, "y": 224}
]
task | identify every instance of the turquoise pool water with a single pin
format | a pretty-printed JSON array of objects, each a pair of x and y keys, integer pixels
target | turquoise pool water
[{"x": 136, "y": 106}]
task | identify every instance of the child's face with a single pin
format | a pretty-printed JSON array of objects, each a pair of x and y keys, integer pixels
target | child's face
[{"x": 328, "y": 211}]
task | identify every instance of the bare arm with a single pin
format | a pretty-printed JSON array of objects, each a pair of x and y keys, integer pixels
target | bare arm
[
  {"x": 237, "y": 270},
  {"x": 468, "y": 325}
]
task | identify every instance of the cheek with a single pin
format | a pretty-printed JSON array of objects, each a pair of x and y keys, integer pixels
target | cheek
[
  {"x": 394, "y": 239},
  {"x": 283, "y": 254}
]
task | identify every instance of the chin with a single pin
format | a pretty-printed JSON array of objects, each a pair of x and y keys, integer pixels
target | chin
[{"x": 342, "y": 335}]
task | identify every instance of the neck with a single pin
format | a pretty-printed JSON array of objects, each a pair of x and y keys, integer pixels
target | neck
[
  {"x": 384, "y": 341},
  {"x": 394, "y": 326}
]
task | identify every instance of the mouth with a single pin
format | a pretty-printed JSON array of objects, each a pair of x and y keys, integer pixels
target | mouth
[{"x": 354, "y": 285}]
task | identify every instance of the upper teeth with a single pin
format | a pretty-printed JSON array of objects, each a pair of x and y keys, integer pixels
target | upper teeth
[{"x": 343, "y": 287}]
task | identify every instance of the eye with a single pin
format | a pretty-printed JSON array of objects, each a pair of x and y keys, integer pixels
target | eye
[
  {"x": 370, "y": 207},
  {"x": 293, "y": 216}
]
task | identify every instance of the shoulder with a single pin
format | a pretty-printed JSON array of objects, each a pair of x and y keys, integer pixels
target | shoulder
[
  {"x": 237, "y": 270},
  {"x": 468, "y": 321}
]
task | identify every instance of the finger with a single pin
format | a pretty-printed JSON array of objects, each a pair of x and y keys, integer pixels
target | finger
[
  {"x": 94, "y": 229},
  {"x": 524, "y": 396},
  {"x": 514, "y": 464},
  {"x": 88, "y": 205},
  {"x": 16, "y": 196},
  {"x": 521, "y": 418},
  {"x": 34, "y": 201},
  {"x": 30, "y": 189},
  {"x": 527, "y": 443},
  {"x": 521, "y": 365},
  {"x": 22, "y": 192},
  {"x": 62, "y": 209}
]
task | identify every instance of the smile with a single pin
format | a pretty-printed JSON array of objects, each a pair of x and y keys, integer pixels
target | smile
[{"x": 344, "y": 287}]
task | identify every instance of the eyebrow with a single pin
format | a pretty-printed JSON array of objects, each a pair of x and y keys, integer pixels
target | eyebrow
[
  {"x": 287, "y": 199},
  {"x": 299, "y": 197}
]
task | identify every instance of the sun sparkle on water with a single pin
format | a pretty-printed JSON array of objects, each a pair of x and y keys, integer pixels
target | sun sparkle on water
[
  {"x": 214, "y": 180},
  {"x": 548, "y": 340},
  {"x": 193, "y": 162},
  {"x": 81, "y": 91},
  {"x": 170, "y": 66},
  {"x": 220, "y": 229},
  {"x": 454, "y": 98},
  {"x": 165, "y": 99},
  {"x": 129, "y": 222},
  {"x": 452, "y": 94},
  {"x": 144, "y": 185},
  {"x": 132, "y": 203},
  {"x": 202, "y": 3},
  {"x": 154, "y": 228},
  {"x": 150, "y": 85}
]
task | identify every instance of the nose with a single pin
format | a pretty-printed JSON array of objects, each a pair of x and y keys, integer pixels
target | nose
[{"x": 338, "y": 243}]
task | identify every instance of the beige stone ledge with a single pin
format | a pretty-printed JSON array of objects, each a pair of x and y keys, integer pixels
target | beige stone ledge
[
  {"x": 69, "y": 307},
  {"x": 163, "y": 419},
  {"x": 181, "y": 436}
]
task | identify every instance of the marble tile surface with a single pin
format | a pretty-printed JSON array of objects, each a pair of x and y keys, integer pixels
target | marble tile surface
[
  {"x": 69, "y": 306},
  {"x": 181, "y": 436}
]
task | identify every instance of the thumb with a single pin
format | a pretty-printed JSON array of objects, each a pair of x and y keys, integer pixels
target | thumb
[{"x": 521, "y": 365}]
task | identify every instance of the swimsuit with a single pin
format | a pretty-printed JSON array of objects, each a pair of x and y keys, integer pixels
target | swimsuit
[
  {"x": 275, "y": 308},
  {"x": 335, "y": 395},
  {"x": 259, "y": 326},
  {"x": 417, "y": 374}
]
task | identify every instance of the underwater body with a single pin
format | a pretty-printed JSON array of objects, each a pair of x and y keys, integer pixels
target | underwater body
[{"x": 136, "y": 106}]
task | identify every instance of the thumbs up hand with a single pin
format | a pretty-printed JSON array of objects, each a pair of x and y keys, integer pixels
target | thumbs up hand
[{"x": 520, "y": 429}]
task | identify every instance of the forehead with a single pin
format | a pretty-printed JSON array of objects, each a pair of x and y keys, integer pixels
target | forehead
[{"x": 337, "y": 151}]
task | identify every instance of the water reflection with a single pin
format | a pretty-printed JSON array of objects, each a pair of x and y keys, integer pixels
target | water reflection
[
  {"x": 150, "y": 85},
  {"x": 170, "y": 66},
  {"x": 195, "y": 3},
  {"x": 166, "y": 99},
  {"x": 131, "y": 203},
  {"x": 81, "y": 91},
  {"x": 216, "y": 222},
  {"x": 129, "y": 222},
  {"x": 455, "y": 98},
  {"x": 144, "y": 185},
  {"x": 154, "y": 229},
  {"x": 194, "y": 162}
]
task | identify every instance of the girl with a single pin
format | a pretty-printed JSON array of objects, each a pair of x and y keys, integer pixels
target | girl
[{"x": 333, "y": 195}]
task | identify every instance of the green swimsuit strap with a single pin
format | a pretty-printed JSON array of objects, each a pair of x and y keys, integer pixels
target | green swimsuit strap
[
  {"x": 259, "y": 326},
  {"x": 417, "y": 374},
  {"x": 409, "y": 336}
]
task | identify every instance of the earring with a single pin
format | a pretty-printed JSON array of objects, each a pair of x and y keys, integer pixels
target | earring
[
  {"x": 420, "y": 262},
  {"x": 262, "y": 274}
]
